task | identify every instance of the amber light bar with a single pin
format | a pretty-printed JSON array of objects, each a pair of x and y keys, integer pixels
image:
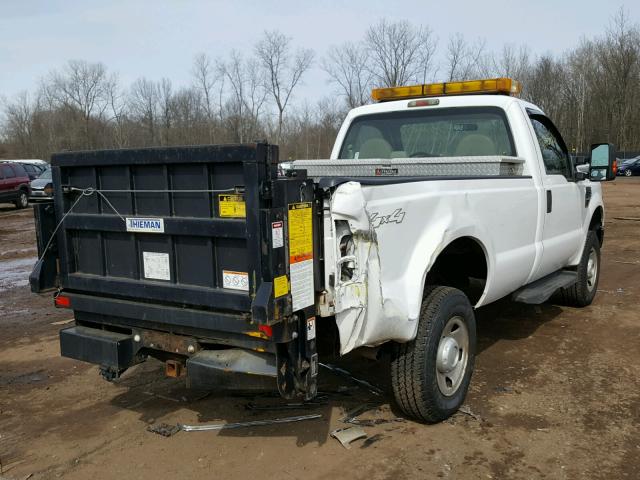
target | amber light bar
[{"x": 503, "y": 86}]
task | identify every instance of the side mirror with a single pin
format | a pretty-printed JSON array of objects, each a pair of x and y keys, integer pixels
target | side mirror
[
  {"x": 582, "y": 171},
  {"x": 603, "y": 162}
]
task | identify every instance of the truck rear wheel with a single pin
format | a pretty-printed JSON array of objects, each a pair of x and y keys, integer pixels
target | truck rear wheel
[
  {"x": 581, "y": 293},
  {"x": 430, "y": 375}
]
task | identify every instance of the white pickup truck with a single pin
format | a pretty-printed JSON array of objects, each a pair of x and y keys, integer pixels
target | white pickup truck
[
  {"x": 438, "y": 199},
  {"x": 469, "y": 198}
]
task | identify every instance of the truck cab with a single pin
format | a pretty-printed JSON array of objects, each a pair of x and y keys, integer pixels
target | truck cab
[{"x": 437, "y": 200}]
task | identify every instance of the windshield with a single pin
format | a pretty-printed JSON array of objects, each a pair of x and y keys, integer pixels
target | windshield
[
  {"x": 46, "y": 175},
  {"x": 445, "y": 132}
]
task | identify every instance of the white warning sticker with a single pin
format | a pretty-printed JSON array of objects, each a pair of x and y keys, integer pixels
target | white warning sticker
[
  {"x": 156, "y": 265},
  {"x": 277, "y": 234},
  {"x": 311, "y": 328},
  {"x": 302, "y": 284},
  {"x": 235, "y": 280}
]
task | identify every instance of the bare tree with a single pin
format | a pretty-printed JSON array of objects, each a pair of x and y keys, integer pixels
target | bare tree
[
  {"x": 400, "y": 53},
  {"x": 144, "y": 105},
  {"x": 513, "y": 62},
  {"x": 206, "y": 79},
  {"x": 463, "y": 60},
  {"x": 19, "y": 122},
  {"x": 82, "y": 86},
  {"x": 165, "y": 101},
  {"x": 619, "y": 58},
  {"x": 283, "y": 68},
  {"x": 348, "y": 68},
  {"x": 248, "y": 94}
]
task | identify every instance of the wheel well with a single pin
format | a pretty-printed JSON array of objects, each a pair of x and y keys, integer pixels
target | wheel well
[
  {"x": 596, "y": 224},
  {"x": 463, "y": 265}
]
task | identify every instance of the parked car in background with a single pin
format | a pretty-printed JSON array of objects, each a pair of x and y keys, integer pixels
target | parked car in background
[
  {"x": 14, "y": 184},
  {"x": 42, "y": 187},
  {"x": 629, "y": 167},
  {"x": 34, "y": 167}
]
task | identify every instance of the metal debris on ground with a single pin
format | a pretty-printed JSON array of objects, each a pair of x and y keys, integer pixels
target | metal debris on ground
[
  {"x": 254, "y": 423},
  {"x": 501, "y": 389},
  {"x": 63, "y": 322},
  {"x": 371, "y": 440},
  {"x": 351, "y": 417},
  {"x": 164, "y": 429},
  {"x": 347, "y": 435},
  {"x": 163, "y": 397},
  {"x": 340, "y": 371},
  {"x": 467, "y": 411},
  {"x": 319, "y": 401}
]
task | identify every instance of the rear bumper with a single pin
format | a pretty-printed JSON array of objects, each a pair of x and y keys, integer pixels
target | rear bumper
[
  {"x": 220, "y": 350},
  {"x": 228, "y": 369},
  {"x": 39, "y": 195}
]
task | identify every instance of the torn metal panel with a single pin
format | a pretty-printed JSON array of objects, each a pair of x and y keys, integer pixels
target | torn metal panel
[
  {"x": 347, "y": 435},
  {"x": 363, "y": 315}
]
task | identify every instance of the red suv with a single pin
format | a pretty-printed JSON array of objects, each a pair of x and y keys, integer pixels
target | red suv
[{"x": 14, "y": 184}]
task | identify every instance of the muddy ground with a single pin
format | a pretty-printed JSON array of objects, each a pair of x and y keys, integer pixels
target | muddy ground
[{"x": 555, "y": 394}]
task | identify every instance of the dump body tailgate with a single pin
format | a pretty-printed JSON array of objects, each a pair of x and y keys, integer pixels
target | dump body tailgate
[{"x": 178, "y": 225}]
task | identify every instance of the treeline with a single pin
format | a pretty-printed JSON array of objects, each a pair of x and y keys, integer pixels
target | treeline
[{"x": 592, "y": 92}]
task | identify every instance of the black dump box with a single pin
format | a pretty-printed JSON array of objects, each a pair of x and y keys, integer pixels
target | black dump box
[{"x": 199, "y": 256}]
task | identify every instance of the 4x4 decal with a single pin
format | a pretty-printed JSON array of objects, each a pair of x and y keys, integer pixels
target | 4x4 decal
[{"x": 396, "y": 217}]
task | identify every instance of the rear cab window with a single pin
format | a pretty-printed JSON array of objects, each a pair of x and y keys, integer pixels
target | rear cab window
[{"x": 443, "y": 132}]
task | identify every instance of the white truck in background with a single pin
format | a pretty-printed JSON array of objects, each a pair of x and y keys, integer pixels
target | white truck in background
[{"x": 439, "y": 203}]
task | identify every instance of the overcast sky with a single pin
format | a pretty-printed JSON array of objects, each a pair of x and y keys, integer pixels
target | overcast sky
[{"x": 155, "y": 38}]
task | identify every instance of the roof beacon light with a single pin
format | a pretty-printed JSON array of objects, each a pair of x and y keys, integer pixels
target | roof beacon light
[{"x": 503, "y": 86}]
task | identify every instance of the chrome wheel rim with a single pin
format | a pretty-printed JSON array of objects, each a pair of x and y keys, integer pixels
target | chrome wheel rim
[
  {"x": 592, "y": 269},
  {"x": 24, "y": 201},
  {"x": 452, "y": 356},
  {"x": 628, "y": 173}
]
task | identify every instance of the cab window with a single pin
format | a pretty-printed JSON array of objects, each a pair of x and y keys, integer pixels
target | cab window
[
  {"x": 554, "y": 152},
  {"x": 443, "y": 132}
]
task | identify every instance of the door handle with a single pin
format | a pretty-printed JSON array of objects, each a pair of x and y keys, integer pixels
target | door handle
[{"x": 549, "y": 201}]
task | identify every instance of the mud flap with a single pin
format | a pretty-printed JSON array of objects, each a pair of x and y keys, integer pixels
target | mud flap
[{"x": 44, "y": 274}]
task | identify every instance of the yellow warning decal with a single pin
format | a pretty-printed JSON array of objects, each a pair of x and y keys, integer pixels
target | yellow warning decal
[
  {"x": 280, "y": 286},
  {"x": 232, "y": 206},
  {"x": 300, "y": 232}
]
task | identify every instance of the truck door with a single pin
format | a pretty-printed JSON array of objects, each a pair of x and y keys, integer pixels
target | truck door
[{"x": 562, "y": 230}]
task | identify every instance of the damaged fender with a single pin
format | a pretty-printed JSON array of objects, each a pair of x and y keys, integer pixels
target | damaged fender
[{"x": 374, "y": 306}]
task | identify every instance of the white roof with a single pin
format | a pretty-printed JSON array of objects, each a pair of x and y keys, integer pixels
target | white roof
[{"x": 502, "y": 101}]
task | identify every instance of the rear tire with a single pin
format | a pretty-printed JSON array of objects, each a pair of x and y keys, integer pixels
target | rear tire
[
  {"x": 628, "y": 173},
  {"x": 430, "y": 375},
  {"x": 583, "y": 291},
  {"x": 22, "y": 201}
]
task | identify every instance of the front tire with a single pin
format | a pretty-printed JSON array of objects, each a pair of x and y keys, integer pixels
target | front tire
[
  {"x": 628, "y": 173},
  {"x": 430, "y": 375},
  {"x": 581, "y": 293},
  {"x": 22, "y": 201}
]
